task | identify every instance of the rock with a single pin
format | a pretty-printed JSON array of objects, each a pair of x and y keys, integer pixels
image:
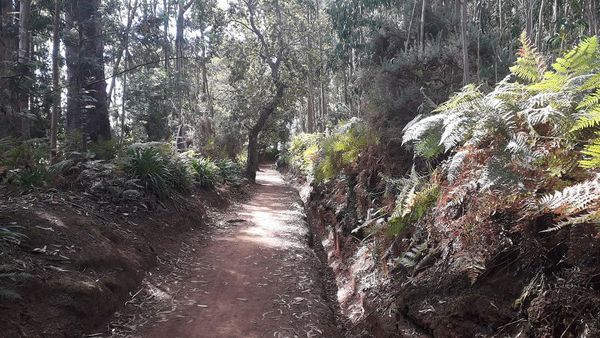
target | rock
[{"x": 131, "y": 194}]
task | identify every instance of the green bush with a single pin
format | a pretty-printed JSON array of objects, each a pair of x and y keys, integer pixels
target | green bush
[
  {"x": 206, "y": 172},
  {"x": 231, "y": 172},
  {"x": 303, "y": 152},
  {"x": 105, "y": 150},
  {"x": 33, "y": 177},
  {"x": 26, "y": 160},
  {"x": 342, "y": 149},
  {"x": 160, "y": 170}
]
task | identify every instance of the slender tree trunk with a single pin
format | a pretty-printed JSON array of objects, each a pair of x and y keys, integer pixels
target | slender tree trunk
[
  {"x": 540, "y": 27},
  {"x": 55, "y": 80},
  {"x": 465, "y": 45},
  {"x": 167, "y": 44},
  {"x": 322, "y": 70},
  {"x": 310, "y": 107},
  {"x": 122, "y": 46},
  {"x": 9, "y": 45},
  {"x": 422, "y": 36},
  {"x": 593, "y": 13},
  {"x": 206, "y": 93},
  {"x": 410, "y": 23},
  {"x": 179, "y": 42},
  {"x": 124, "y": 98},
  {"x": 24, "y": 68},
  {"x": 500, "y": 21}
]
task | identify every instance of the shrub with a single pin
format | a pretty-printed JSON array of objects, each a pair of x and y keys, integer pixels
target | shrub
[
  {"x": 206, "y": 172},
  {"x": 342, "y": 149},
  {"x": 160, "y": 170},
  {"x": 32, "y": 177},
  {"x": 303, "y": 153},
  {"x": 27, "y": 161},
  {"x": 105, "y": 150},
  {"x": 231, "y": 172}
]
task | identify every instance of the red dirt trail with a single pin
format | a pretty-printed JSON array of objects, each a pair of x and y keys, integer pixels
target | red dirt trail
[{"x": 257, "y": 278}]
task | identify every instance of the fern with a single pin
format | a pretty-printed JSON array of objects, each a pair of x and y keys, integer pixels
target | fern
[
  {"x": 429, "y": 146},
  {"x": 411, "y": 206},
  {"x": 412, "y": 257},
  {"x": 580, "y": 60},
  {"x": 592, "y": 154},
  {"x": 572, "y": 199},
  {"x": 455, "y": 165},
  {"x": 574, "y": 205},
  {"x": 530, "y": 65}
]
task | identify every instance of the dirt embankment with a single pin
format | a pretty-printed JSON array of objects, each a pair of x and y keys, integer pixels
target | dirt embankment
[
  {"x": 85, "y": 256},
  {"x": 528, "y": 284}
]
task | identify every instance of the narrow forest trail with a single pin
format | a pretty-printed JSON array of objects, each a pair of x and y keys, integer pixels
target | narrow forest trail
[{"x": 256, "y": 278}]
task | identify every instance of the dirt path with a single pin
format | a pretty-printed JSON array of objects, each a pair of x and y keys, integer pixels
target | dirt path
[{"x": 257, "y": 277}]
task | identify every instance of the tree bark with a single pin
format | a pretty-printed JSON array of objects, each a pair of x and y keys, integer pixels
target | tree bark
[
  {"x": 265, "y": 113},
  {"x": 122, "y": 46},
  {"x": 55, "y": 80},
  {"x": 9, "y": 44},
  {"x": 410, "y": 23},
  {"x": 167, "y": 44},
  {"x": 540, "y": 27},
  {"x": 87, "y": 109},
  {"x": 465, "y": 45},
  {"x": 422, "y": 36},
  {"x": 273, "y": 59},
  {"x": 310, "y": 107},
  {"x": 24, "y": 68}
]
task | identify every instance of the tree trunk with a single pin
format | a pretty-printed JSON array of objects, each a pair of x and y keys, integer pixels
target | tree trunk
[
  {"x": 207, "y": 96},
  {"x": 265, "y": 113},
  {"x": 410, "y": 23},
  {"x": 179, "y": 41},
  {"x": 87, "y": 109},
  {"x": 540, "y": 27},
  {"x": 124, "y": 98},
  {"x": 422, "y": 36},
  {"x": 465, "y": 45},
  {"x": 24, "y": 68},
  {"x": 593, "y": 12},
  {"x": 122, "y": 46},
  {"x": 55, "y": 80},
  {"x": 9, "y": 44},
  {"x": 167, "y": 44}
]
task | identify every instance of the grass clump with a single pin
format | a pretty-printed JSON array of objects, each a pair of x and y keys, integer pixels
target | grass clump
[
  {"x": 160, "y": 170},
  {"x": 206, "y": 172}
]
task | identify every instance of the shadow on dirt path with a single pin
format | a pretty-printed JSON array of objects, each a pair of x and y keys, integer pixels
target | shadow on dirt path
[{"x": 255, "y": 278}]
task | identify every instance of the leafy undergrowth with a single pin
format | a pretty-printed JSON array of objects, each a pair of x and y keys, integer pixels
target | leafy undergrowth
[
  {"x": 500, "y": 237},
  {"x": 78, "y": 236},
  {"x": 78, "y": 257}
]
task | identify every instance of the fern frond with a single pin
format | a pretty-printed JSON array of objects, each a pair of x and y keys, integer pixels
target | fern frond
[
  {"x": 592, "y": 217},
  {"x": 456, "y": 164},
  {"x": 530, "y": 65},
  {"x": 496, "y": 174},
  {"x": 422, "y": 127},
  {"x": 591, "y": 82},
  {"x": 580, "y": 60},
  {"x": 411, "y": 257},
  {"x": 572, "y": 199},
  {"x": 460, "y": 99},
  {"x": 587, "y": 121},
  {"x": 429, "y": 146},
  {"x": 590, "y": 100},
  {"x": 592, "y": 153}
]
